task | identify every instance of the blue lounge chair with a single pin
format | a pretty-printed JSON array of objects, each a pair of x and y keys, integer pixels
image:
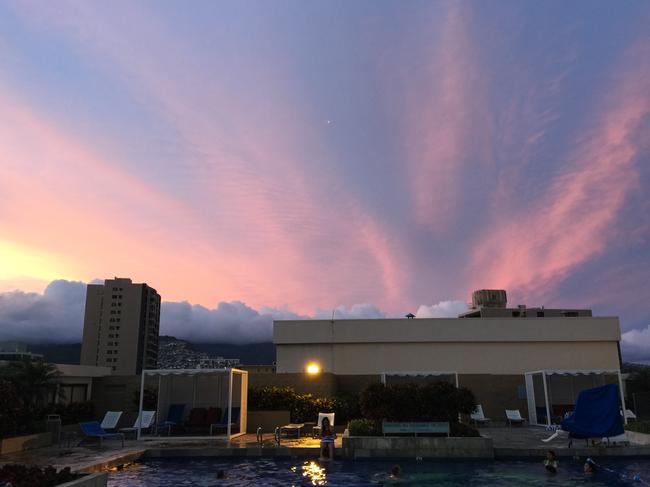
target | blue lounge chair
[
  {"x": 92, "y": 429},
  {"x": 224, "y": 420},
  {"x": 174, "y": 417}
]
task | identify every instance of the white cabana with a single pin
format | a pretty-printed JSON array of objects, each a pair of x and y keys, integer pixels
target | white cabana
[
  {"x": 389, "y": 378},
  {"x": 225, "y": 388},
  {"x": 553, "y": 393}
]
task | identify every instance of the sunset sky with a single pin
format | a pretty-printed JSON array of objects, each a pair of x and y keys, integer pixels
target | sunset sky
[{"x": 309, "y": 155}]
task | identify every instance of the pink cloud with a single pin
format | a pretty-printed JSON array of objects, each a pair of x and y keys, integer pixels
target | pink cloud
[
  {"x": 259, "y": 223},
  {"x": 572, "y": 222}
]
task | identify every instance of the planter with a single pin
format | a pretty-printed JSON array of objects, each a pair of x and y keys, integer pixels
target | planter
[
  {"x": 22, "y": 443},
  {"x": 267, "y": 420},
  {"x": 89, "y": 480},
  {"x": 416, "y": 447}
]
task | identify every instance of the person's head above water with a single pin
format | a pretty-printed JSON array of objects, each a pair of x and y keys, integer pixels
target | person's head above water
[
  {"x": 396, "y": 471},
  {"x": 590, "y": 466},
  {"x": 551, "y": 455},
  {"x": 221, "y": 474}
]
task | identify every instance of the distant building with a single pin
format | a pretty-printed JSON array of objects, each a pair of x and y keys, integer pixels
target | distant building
[
  {"x": 16, "y": 352},
  {"x": 218, "y": 363},
  {"x": 20, "y": 356},
  {"x": 121, "y": 326}
]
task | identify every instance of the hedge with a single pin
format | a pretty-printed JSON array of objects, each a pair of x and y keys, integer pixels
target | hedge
[{"x": 303, "y": 407}]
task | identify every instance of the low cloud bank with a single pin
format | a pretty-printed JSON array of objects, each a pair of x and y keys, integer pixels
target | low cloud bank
[
  {"x": 354, "y": 312},
  {"x": 635, "y": 345},
  {"x": 56, "y": 316},
  {"x": 232, "y": 322},
  {"x": 444, "y": 309}
]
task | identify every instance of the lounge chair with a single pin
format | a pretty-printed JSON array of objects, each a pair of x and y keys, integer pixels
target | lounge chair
[
  {"x": 321, "y": 416},
  {"x": 513, "y": 416},
  {"x": 629, "y": 414},
  {"x": 223, "y": 424},
  {"x": 478, "y": 417},
  {"x": 144, "y": 419},
  {"x": 92, "y": 429},
  {"x": 174, "y": 417},
  {"x": 111, "y": 419},
  {"x": 293, "y": 428}
]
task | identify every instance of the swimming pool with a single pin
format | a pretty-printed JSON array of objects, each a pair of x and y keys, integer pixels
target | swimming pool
[{"x": 279, "y": 472}]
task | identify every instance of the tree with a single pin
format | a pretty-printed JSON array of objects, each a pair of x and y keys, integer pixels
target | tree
[{"x": 34, "y": 382}]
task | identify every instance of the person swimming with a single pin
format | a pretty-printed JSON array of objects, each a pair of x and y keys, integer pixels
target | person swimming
[
  {"x": 551, "y": 463},
  {"x": 221, "y": 474},
  {"x": 589, "y": 468},
  {"x": 395, "y": 472}
]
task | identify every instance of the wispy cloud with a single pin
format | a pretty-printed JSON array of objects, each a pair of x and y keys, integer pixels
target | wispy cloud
[{"x": 571, "y": 221}]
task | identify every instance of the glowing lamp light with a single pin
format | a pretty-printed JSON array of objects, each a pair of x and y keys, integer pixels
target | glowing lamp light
[{"x": 313, "y": 368}]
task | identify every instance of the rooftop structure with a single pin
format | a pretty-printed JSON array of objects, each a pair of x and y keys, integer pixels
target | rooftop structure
[{"x": 492, "y": 303}]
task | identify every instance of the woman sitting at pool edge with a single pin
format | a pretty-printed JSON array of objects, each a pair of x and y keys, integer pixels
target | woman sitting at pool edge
[{"x": 327, "y": 437}]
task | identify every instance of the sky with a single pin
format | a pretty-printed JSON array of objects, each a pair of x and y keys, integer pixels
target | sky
[{"x": 254, "y": 159}]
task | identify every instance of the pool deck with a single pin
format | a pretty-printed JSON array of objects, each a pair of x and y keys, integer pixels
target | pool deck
[{"x": 512, "y": 442}]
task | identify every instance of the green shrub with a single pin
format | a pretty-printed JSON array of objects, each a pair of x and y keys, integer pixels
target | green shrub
[
  {"x": 440, "y": 401},
  {"x": 303, "y": 407},
  {"x": 9, "y": 409},
  {"x": 362, "y": 427}
]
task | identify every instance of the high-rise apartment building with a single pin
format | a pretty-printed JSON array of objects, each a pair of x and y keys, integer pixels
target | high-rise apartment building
[{"x": 121, "y": 326}]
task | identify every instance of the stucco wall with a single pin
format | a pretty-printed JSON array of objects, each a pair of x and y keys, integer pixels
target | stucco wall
[{"x": 461, "y": 357}]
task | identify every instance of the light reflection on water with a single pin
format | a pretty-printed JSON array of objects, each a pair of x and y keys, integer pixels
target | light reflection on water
[{"x": 202, "y": 472}]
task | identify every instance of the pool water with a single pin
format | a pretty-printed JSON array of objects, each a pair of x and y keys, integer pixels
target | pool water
[{"x": 275, "y": 472}]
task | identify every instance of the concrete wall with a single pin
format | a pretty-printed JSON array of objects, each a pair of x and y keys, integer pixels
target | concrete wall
[
  {"x": 22, "y": 443},
  {"x": 467, "y": 346},
  {"x": 115, "y": 393},
  {"x": 267, "y": 420},
  {"x": 496, "y": 393}
]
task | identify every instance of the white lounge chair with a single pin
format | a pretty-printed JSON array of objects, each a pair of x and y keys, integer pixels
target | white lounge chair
[
  {"x": 478, "y": 417},
  {"x": 145, "y": 419},
  {"x": 629, "y": 414},
  {"x": 513, "y": 416},
  {"x": 110, "y": 420},
  {"x": 319, "y": 423}
]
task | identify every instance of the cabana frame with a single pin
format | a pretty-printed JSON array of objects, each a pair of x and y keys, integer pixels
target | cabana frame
[
  {"x": 230, "y": 373},
  {"x": 546, "y": 375}
]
